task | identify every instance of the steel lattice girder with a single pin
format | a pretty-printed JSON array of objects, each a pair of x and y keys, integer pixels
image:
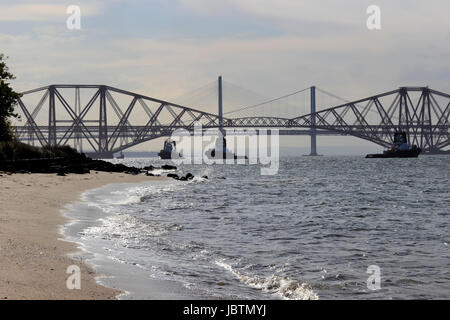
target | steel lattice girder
[
  {"x": 369, "y": 119},
  {"x": 426, "y": 120},
  {"x": 103, "y": 138}
]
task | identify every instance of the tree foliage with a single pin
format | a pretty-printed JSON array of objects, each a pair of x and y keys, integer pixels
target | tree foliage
[{"x": 8, "y": 99}]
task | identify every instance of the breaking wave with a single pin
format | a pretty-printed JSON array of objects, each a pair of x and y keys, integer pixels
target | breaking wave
[{"x": 284, "y": 287}]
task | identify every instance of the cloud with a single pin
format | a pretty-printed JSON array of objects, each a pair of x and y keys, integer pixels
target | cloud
[
  {"x": 42, "y": 12},
  {"x": 351, "y": 64},
  {"x": 412, "y": 15}
]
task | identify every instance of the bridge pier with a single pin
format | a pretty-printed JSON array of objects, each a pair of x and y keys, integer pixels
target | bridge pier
[
  {"x": 313, "y": 123},
  {"x": 313, "y": 144}
]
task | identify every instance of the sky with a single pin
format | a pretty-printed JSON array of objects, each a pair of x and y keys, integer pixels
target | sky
[{"x": 167, "y": 48}]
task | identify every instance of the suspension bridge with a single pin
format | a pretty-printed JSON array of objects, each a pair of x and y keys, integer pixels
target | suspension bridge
[{"x": 109, "y": 120}]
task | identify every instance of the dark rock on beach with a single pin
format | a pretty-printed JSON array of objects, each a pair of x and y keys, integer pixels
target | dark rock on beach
[
  {"x": 79, "y": 164},
  {"x": 164, "y": 167},
  {"x": 168, "y": 167},
  {"x": 174, "y": 176},
  {"x": 188, "y": 176}
]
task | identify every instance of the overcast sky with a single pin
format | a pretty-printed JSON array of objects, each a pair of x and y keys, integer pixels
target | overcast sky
[{"x": 164, "y": 48}]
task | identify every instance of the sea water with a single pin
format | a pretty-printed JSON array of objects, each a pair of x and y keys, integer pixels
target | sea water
[{"x": 309, "y": 232}]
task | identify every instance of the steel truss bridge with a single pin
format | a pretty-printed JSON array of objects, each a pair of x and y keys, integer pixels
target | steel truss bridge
[{"x": 110, "y": 120}]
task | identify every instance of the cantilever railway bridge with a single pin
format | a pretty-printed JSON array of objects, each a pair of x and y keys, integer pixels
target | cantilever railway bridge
[{"x": 110, "y": 120}]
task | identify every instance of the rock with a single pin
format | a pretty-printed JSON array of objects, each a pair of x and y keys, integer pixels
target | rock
[
  {"x": 205, "y": 177},
  {"x": 77, "y": 169},
  {"x": 149, "y": 168},
  {"x": 149, "y": 174},
  {"x": 174, "y": 176},
  {"x": 189, "y": 176},
  {"x": 61, "y": 174},
  {"x": 77, "y": 164},
  {"x": 168, "y": 167}
]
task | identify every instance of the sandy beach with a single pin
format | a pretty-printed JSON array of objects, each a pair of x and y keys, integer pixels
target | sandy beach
[{"x": 33, "y": 258}]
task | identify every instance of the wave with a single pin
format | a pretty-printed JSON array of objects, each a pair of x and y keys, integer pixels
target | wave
[
  {"x": 284, "y": 287},
  {"x": 128, "y": 231},
  {"x": 160, "y": 172},
  {"x": 199, "y": 179}
]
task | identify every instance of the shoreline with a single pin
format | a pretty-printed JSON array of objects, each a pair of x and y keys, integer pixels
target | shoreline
[
  {"x": 34, "y": 256},
  {"x": 130, "y": 279}
]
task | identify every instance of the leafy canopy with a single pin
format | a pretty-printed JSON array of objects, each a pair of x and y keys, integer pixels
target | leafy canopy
[{"x": 8, "y": 99}]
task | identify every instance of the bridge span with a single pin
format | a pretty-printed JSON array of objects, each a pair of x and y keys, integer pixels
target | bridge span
[{"x": 110, "y": 120}]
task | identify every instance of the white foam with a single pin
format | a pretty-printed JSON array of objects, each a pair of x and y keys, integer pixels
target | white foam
[
  {"x": 129, "y": 200},
  {"x": 199, "y": 179},
  {"x": 282, "y": 286},
  {"x": 159, "y": 172}
]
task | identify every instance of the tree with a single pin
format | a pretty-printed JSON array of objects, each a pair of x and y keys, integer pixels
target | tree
[{"x": 8, "y": 99}]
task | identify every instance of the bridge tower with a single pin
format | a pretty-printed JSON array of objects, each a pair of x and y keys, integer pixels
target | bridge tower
[
  {"x": 78, "y": 133},
  {"x": 313, "y": 123},
  {"x": 427, "y": 127},
  {"x": 51, "y": 117},
  {"x": 219, "y": 141},
  {"x": 103, "y": 150},
  {"x": 220, "y": 104}
]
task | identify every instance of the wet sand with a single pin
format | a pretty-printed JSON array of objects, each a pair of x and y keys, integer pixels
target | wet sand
[{"x": 33, "y": 257}]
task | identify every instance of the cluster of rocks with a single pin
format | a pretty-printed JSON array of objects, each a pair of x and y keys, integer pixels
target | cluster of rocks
[
  {"x": 188, "y": 176},
  {"x": 164, "y": 167},
  {"x": 62, "y": 166},
  {"x": 82, "y": 165}
]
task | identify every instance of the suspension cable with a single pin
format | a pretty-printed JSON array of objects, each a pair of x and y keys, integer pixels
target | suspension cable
[{"x": 269, "y": 101}]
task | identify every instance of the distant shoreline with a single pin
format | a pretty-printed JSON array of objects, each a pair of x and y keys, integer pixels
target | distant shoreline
[{"x": 34, "y": 259}]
